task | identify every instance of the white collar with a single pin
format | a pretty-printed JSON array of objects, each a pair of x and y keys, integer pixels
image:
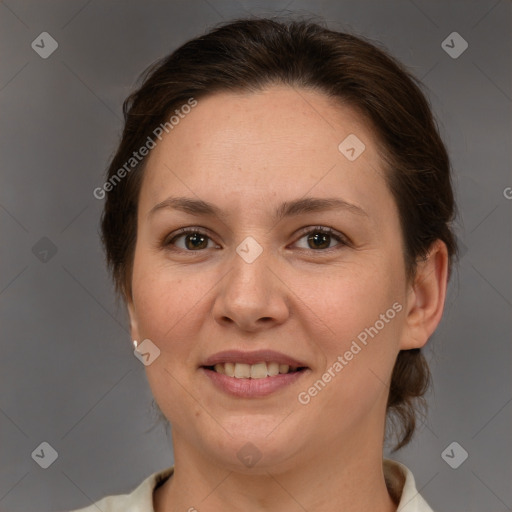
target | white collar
[{"x": 399, "y": 480}]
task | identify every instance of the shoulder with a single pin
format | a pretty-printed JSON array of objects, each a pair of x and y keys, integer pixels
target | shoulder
[
  {"x": 402, "y": 487},
  {"x": 139, "y": 500}
]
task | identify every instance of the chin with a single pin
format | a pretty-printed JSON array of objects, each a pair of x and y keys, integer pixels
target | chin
[{"x": 256, "y": 444}]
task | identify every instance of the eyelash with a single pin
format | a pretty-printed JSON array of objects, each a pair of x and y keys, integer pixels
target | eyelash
[{"x": 169, "y": 241}]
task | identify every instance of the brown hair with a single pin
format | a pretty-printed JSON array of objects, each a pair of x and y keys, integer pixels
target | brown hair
[{"x": 250, "y": 54}]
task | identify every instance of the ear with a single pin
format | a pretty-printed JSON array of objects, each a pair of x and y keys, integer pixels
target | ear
[
  {"x": 134, "y": 328},
  {"x": 426, "y": 297}
]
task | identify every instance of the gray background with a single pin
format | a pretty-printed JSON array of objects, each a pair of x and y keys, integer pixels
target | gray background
[{"x": 68, "y": 374}]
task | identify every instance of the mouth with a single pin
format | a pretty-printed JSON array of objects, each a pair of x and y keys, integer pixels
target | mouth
[
  {"x": 261, "y": 370},
  {"x": 252, "y": 374}
]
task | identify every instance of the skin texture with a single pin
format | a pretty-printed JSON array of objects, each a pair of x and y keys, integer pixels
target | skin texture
[{"x": 247, "y": 153}]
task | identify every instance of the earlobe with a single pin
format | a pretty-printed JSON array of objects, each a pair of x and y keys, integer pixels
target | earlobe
[{"x": 426, "y": 298}]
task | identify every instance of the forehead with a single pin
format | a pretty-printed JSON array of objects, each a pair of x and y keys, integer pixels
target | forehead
[
  {"x": 270, "y": 142},
  {"x": 275, "y": 117}
]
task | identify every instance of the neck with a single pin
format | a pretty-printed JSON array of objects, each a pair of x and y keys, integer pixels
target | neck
[{"x": 343, "y": 478}]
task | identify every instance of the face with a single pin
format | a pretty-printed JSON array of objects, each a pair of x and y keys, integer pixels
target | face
[{"x": 320, "y": 288}]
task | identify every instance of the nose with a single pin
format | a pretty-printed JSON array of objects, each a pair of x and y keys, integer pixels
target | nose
[{"x": 253, "y": 294}]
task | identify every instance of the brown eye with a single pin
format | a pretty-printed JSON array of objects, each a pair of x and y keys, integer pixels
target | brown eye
[
  {"x": 194, "y": 240},
  {"x": 320, "y": 238}
]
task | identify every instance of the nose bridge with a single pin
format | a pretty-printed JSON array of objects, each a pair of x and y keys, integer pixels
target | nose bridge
[
  {"x": 250, "y": 265},
  {"x": 251, "y": 291}
]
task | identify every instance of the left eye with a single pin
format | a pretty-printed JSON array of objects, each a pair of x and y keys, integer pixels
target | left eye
[
  {"x": 321, "y": 236},
  {"x": 318, "y": 238}
]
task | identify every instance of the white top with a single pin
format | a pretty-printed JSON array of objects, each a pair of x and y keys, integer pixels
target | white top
[{"x": 399, "y": 481}]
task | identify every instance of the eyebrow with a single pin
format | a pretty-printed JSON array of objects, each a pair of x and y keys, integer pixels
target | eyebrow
[{"x": 286, "y": 209}]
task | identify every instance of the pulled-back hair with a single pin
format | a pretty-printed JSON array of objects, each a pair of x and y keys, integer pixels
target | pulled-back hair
[{"x": 252, "y": 54}]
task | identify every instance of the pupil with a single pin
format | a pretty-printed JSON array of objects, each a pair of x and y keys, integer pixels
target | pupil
[
  {"x": 194, "y": 238},
  {"x": 317, "y": 236}
]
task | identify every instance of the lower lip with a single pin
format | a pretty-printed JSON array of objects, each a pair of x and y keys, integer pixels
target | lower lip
[{"x": 252, "y": 388}]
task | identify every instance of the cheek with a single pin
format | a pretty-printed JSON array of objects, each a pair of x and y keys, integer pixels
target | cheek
[
  {"x": 351, "y": 301},
  {"x": 167, "y": 314},
  {"x": 167, "y": 306},
  {"x": 364, "y": 312},
  {"x": 163, "y": 296}
]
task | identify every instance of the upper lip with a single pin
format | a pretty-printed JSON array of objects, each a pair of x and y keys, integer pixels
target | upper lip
[{"x": 258, "y": 356}]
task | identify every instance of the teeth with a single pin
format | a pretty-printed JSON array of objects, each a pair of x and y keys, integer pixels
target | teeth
[
  {"x": 242, "y": 371},
  {"x": 253, "y": 371},
  {"x": 258, "y": 371},
  {"x": 229, "y": 369},
  {"x": 273, "y": 369}
]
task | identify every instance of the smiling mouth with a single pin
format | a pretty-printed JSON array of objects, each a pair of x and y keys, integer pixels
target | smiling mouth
[{"x": 260, "y": 370}]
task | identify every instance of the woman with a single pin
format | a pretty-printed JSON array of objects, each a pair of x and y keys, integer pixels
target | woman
[{"x": 277, "y": 219}]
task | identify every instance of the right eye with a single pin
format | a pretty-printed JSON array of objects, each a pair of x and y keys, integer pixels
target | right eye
[{"x": 194, "y": 240}]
